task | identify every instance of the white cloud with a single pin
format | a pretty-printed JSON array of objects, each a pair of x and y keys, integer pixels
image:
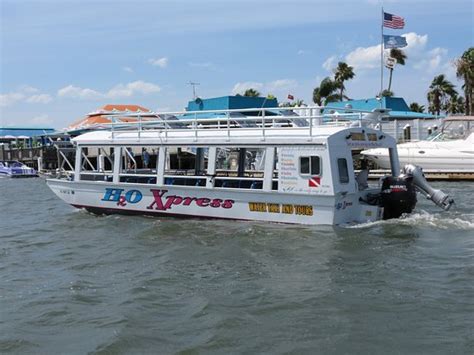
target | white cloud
[
  {"x": 127, "y": 69},
  {"x": 10, "y": 98},
  {"x": 364, "y": 57},
  {"x": 41, "y": 119},
  {"x": 24, "y": 93},
  {"x": 330, "y": 63},
  {"x": 276, "y": 87},
  {"x": 239, "y": 88},
  {"x": 39, "y": 99},
  {"x": 75, "y": 92},
  {"x": 416, "y": 44},
  {"x": 281, "y": 85},
  {"x": 301, "y": 52},
  {"x": 116, "y": 92},
  {"x": 28, "y": 89},
  {"x": 159, "y": 62},
  {"x": 131, "y": 89}
]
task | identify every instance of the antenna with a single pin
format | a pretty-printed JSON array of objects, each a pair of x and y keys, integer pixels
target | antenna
[{"x": 193, "y": 84}]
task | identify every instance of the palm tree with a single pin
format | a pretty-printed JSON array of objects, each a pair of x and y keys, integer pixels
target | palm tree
[
  {"x": 386, "y": 93},
  {"x": 296, "y": 103},
  {"x": 455, "y": 104},
  {"x": 416, "y": 107},
  {"x": 399, "y": 57},
  {"x": 440, "y": 89},
  {"x": 251, "y": 93},
  {"x": 326, "y": 92},
  {"x": 465, "y": 71},
  {"x": 342, "y": 73}
]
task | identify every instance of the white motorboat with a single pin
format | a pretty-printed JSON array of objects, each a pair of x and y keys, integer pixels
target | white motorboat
[
  {"x": 16, "y": 169},
  {"x": 448, "y": 150},
  {"x": 240, "y": 168}
]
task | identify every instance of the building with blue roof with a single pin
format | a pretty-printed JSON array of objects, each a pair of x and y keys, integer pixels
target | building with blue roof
[
  {"x": 29, "y": 132},
  {"x": 403, "y": 124},
  {"x": 398, "y": 107},
  {"x": 231, "y": 103}
]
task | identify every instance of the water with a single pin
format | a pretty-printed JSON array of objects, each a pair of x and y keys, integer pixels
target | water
[{"x": 75, "y": 283}]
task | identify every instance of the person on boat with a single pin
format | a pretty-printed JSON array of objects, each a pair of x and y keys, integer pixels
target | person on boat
[
  {"x": 146, "y": 158},
  {"x": 363, "y": 175}
]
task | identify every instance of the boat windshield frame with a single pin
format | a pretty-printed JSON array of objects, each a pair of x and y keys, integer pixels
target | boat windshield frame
[{"x": 448, "y": 132}]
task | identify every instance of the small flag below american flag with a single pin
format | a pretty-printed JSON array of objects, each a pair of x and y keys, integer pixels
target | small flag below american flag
[
  {"x": 393, "y": 21},
  {"x": 315, "y": 181},
  {"x": 290, "y": 97}
]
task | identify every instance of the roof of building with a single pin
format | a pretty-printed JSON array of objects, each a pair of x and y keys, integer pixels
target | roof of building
[
  {"x": 103, "y": 116},
  {"x": 230, "y": 103},
  {"x": 119, "y": 108},
  {"x": 397, "y": 105},
  {"x": 23, "y": 132}
]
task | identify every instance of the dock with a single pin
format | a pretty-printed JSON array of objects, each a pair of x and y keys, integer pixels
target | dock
[{"x": 431, "y": 175}]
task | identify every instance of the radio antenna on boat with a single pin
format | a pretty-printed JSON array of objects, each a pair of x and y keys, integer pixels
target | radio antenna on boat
[{"x": 193, "y": 84}]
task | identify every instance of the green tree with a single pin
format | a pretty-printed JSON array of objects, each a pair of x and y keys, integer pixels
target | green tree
[
  {"x": 325, "y": 92},
  {"x": 440, "y": 90},
  {"x": 456, "y": 104},
  {"x": 416, "y": 107},
  {"x": 251, "y": 93},
  {"x": 386, "y": 93},
  {"x": 465, "y": 71},
  {"x": 342, "y": 73},
  {"x": 400, "y": 58},
  {"x": 296, "y": 103}
]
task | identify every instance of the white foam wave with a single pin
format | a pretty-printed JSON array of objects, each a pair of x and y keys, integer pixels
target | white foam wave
[{"x": 426, "y": 219}]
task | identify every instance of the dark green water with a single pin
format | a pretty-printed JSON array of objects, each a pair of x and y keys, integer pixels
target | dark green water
[{"x": 75, "y": 283}]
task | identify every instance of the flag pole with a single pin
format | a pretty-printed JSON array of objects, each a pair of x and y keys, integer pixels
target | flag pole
[{"x": 381, "y": 59}]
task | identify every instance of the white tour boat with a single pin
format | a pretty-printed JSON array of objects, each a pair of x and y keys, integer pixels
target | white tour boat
[
  {"x": 261, "y": 168},
  {"x": 449, "y": 150}
]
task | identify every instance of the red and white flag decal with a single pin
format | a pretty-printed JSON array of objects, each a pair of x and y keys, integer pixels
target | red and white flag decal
[{"x": 315, "y": 181}]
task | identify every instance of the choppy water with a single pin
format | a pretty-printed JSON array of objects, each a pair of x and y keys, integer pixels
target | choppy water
[{"x": 75, "y": 283}]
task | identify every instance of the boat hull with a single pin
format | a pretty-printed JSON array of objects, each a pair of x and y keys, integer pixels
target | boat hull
[{"x": 195, "y": 202}]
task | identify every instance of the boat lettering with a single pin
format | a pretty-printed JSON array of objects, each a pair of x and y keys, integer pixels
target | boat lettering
[
  {"x": 116, "y": 195},
  {"x": 303, "y": 210},
  {"x": 343, "y": 205},
  {"x": 163, "y": 202}
]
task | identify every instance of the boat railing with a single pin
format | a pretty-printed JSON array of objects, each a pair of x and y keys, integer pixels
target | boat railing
[{"x": 264, "y": 120}]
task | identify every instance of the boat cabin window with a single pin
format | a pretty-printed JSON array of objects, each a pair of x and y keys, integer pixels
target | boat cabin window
[
  {"x": 343, "y": 170},
  {"x": 240, "y": 167},
  {"x": 310, "y": 165}
]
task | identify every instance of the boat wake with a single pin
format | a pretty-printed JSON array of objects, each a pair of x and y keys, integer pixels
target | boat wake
[{"x": 424, "y": 219}]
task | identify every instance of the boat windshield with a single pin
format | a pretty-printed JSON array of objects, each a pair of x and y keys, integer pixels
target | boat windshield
[{"x": 453, "y": 130}]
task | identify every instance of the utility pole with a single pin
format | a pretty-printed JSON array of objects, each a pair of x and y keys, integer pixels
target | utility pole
[{"x": 193, "y": 84}]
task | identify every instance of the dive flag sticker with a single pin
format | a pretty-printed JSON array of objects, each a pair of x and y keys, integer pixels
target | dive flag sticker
[{"x": 315, "y": 181}]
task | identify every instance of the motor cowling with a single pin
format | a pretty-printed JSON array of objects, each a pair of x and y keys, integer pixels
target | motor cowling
[{"x": 398, "y": 196}]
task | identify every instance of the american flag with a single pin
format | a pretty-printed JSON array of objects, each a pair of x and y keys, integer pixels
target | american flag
[{"x": 393, "y": 21}]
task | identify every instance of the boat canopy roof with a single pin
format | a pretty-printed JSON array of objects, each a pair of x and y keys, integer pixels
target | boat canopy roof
[{"x": 323, "y": 135}]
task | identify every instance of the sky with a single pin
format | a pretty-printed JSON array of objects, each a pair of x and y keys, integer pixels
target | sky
[{"x": 61, "y": 59}]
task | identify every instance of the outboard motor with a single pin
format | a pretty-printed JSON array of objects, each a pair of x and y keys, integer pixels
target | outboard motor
[
  {"x": 437, "y": 196},
  {"x": 398, "y": 196}
]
